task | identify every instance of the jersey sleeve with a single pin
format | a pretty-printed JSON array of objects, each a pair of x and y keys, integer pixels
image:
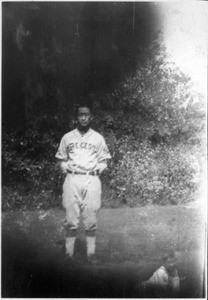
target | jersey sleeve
[
  {"x": 62, "y": 150},
  {"x": 159, "y": 278},
  {"x": 103, "y": 151}
]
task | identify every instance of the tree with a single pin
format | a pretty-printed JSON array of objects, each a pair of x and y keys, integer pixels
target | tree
[
  {"x": 160, "y": 97},
  {"x": 55, "y": 52}
]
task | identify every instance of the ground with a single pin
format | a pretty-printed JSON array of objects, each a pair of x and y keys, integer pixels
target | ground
[{"x": 130, "y": 242}]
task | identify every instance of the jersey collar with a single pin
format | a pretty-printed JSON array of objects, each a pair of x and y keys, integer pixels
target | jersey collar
[{"x": 88, "y": 133}]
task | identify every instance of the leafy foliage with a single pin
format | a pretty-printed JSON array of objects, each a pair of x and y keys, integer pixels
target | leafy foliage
[
  {"x": 30, "y": 176},
  {"x": 157, "y": 102},
  {"x": 159, "y": 175},
  {"x": 153, "y": 123}
]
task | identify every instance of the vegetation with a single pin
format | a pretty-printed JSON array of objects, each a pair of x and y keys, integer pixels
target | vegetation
[{"x": 154, "y": 125}]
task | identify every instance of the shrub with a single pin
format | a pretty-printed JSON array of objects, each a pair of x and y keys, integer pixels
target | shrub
[
  {"x": 157, "y": 102},
  {"x": 29, "y": 170},
  {"x": 139, "y": 173},
  {"x": 156, "y": 175},
  {"x": 153, "y": 123}
]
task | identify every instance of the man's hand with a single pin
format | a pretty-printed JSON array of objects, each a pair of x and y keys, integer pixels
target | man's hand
[
  {"x": 101, "y": 167},
  {"x": 64, "y": 166}
]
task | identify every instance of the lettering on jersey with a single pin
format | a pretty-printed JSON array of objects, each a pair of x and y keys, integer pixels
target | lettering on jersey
[
  {"x": 83, "y": 145},
  {"x": 73, "y": 146},
  {"x": 92, "y": 147}
]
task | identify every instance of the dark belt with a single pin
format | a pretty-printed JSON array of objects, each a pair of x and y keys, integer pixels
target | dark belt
[{"x": 93, "y": 173}]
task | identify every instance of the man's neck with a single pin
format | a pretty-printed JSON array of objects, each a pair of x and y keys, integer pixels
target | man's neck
[{"x": 83, "y": 130}]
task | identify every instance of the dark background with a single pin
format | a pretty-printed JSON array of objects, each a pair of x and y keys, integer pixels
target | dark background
[
  {"x": 54, "y": 53},
  {"x": 111, "y": 53}
]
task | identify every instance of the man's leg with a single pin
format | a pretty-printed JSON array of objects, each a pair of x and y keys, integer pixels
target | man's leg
[
  {"x": 91, "y": 242},
  {"x": 70, "y": 241},
  {"x": 91, "y": 205},
  {"x": 71, "y": 205}
]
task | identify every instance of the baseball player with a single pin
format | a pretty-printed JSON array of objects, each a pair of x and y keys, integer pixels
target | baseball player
[
  {"x": 83, "y": 156},
  {"x": 165, "y": 280}
]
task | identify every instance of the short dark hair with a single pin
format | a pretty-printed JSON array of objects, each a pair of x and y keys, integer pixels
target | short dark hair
[
  {"x": 83, "y": 104},
  {"x": 169, "y": 255}
]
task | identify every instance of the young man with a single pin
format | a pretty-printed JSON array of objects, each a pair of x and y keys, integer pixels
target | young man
[
  {"x": 83, "y": 155},
  {"x": 165, "y": 281}
]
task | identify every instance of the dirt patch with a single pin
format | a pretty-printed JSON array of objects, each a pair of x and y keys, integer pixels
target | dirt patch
[{"x": 130, "y": 242}]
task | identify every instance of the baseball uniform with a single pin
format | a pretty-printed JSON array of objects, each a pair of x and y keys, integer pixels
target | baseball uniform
[
  {"x": 82, "y": 187},
  {"x": 162, "y": 278},
  {"x": 163, "y": 283}
]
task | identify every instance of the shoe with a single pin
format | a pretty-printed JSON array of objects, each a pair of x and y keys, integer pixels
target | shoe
[
  {"x": 69, "y": 257},
  {"x": 65, "y": 254},
  {"x": 92, "y": 259},
  {"x": 77, "y": 260},
  {"x": 71, "y": 261}
]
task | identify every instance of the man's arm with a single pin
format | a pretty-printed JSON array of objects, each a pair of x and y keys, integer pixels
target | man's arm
[
  {"x": 63, "y": 165},
  {"x": 102, "y": 166},
  {"x": 103, "y": 156},
  {"x": 61, "y": 156},
  {"x": 158, "y": 280}
]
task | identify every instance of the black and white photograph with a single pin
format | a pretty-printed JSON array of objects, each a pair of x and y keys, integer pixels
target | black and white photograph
[{"x": 104, "y": 149}]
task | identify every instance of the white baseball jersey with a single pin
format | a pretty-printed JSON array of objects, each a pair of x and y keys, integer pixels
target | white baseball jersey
[
  {"x": 83, "y": 152},
  {"x": 162, "y": 279}
]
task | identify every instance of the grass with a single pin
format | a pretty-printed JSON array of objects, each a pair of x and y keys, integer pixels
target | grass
[{"x": 130, "y": 242}]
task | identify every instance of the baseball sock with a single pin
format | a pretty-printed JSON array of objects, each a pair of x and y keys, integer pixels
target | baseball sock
[
  {"x": 70, "y": 245},
  {"x": 91, "y": 240}
]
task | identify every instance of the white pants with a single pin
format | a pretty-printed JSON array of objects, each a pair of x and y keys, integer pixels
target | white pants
[{"x": 81, "y": 195}]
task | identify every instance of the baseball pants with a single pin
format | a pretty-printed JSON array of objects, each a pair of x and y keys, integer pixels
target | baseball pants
[{"x": 81, "y": 196}]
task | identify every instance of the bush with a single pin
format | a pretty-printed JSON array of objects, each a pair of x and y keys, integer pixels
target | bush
[
  {"x": 139, "y": 173},
  {"x": 153, "y": 123},
  {"x": 30, "y": 177},
  {"x": 156, "y": 175},
  {"x": 156, "y": 102},
  {"x": 14, "y": 199}
]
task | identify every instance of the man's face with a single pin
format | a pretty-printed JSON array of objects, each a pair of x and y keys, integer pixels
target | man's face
[
  {"x": 84, "y": 117},
  {"x": 170, "y": 264}
]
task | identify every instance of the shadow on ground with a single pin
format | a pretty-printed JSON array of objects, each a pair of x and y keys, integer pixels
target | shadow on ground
[
  {"x": 29, "y": 273},
  {"x": 33, "y": 265}
]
